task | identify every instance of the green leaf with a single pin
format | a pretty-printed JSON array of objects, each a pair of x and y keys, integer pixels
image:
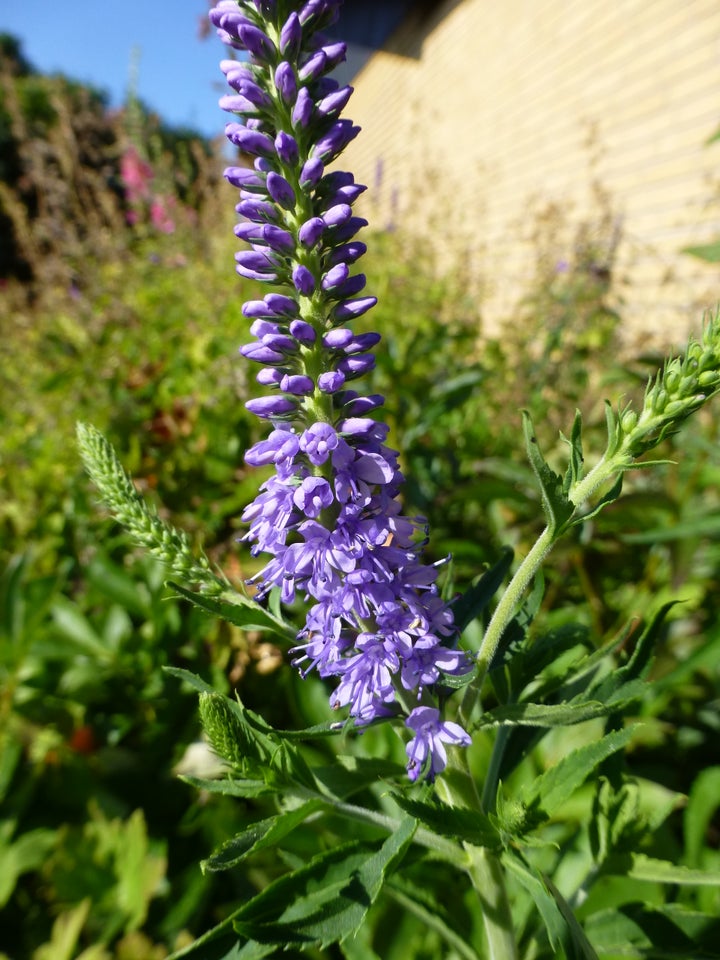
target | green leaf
[
  {"x": 639, "y": 663},
  {"x": 668, "y": 932},
  {"x": 558, "y": 783},
  {"x": 562, "y": 928},
  {"x": 638, "y": 866},
  {"x": 222, "y": 943},
  {"x": 348, "y": 775},
  {"x": 243, "y": 612},
  {"x": 459, "y": 823},
  {"x": 423, "y": 905},
  {"x": 264, "y": 833},
  {"x": 562, "y": 714},
  {"x": 228, "y": 787},
  {"x": 703, "y": 801},
  {"x": 577, "y": 460},
  {"x": 196, "y": 682},
  {"x": 557, "y": 508},
  {"x": 471, "y": 604},
  {"x": 75, "y": 628},
  {"x": 709, "y": 252},
  {"x": 326, "y": 901},
  {"x": 25, "y": 854},
  {"x": 707, "y": 525}
]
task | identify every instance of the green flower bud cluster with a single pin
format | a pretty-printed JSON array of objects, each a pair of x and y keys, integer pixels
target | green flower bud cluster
[
  {"x": 119, "y": 495},
  {"x": 682, "y": 386},
  {"x": 226, "y": 734}
]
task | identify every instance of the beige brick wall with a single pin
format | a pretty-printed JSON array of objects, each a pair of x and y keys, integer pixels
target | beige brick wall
[{"x": 515, "y": 106}]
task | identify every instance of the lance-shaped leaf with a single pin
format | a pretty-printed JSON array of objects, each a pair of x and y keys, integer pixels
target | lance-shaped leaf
[
  {"x": 564, "y": 931},
  {"x": 458, "y": 823},
  {"x": 471, "y": 604},
  {"x": 326, "y": 901},
  {"x": 638, "y": 866},
  {"x": 670, "y": 931},
  {"x": 242, "y": 612},
  {"x": 258, "y": 836},
  {"x": 563, "y": 714},
  {"x": 557, "y": 784},
  {"x": 577, "y": 460},
  {"x": 348, "y": 775},
  {"x": 556, "y": 506}
]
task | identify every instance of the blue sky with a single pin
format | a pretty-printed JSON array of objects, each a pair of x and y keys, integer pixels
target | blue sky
[{"x": 94, "y": 41}]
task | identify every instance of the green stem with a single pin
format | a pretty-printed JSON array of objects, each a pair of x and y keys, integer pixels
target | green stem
[
  {"x": 425, "y": 838},
  {"x": 487, "y": 802},
  {"x": 510, "y": 600},
  {"x": 433, "y": 921},
  {"x": 603, "y": 471},
  {"x": 488, "y": 880}
]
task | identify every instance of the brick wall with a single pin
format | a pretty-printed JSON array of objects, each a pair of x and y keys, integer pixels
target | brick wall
[{"x": 511, "y": 125}]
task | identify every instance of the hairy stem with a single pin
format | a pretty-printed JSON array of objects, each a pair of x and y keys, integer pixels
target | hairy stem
[{"x": 488, "y": 879}]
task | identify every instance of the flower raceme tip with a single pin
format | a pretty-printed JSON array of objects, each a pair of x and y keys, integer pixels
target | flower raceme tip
[{"x": 329, "y": 516}]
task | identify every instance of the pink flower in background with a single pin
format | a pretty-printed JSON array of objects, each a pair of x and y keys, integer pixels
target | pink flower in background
[
  {"x": 136, "y": 175},
  {"x": 160, "y": 214}
]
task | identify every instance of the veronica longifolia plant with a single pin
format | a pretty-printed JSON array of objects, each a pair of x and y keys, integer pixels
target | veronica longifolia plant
[{"x": 329, "y": 525}]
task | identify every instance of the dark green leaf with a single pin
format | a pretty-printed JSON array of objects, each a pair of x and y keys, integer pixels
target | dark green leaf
[
  {"x": 264, "y": 833},
  {"x": 577, "y": 460},
  {"x": 668, "y": 932},
  {"x": 191, "y": 678},
  {"x": 228, "y": 787},
  {"x": 561, "y": 714},
  {"x": 562, "y": 928},
  {"x": 348, "y": 775},
  {"x": 557, "y": 508},
  {"x": 326, "y": 901},
  {"x": 557, "y": 784},
  {"x": 638, "y": 866},
  {"x": 458, "y": 823},
  {"x": 471, "y": 604},
  {"x": 244, "y": 612}
]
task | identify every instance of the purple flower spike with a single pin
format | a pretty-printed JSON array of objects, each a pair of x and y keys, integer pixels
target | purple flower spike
[
  {"x": 311, "y": 172},
  {"x": 271, "y": 406},
  {"x": 311, "y": 231},
  {"x": 303, "y": 280},
  {"x": 257, "y": 43},
  {"x": 426, "y": 751},
  {"x": 291, "y": 36},
  {"x": 334, "y": 102},
  {"x": 318, "y": 442},
  {"x": 297, "y": 384},
  {"x": 250, "y": 141},
  {"x": 332, "y": 143},
  {"x": 285, "y": 82},
  {"x": 245, "y": 179},
  {"x": 286, "y": 148},
  {"x": 304, "y": 332},
  {"x": 313, "y": 496},
  {"x": 354, "y": 308},
  {"x": 280, "y": 191},
  {"x": 329, "y": 519},
  {"x": 284, "y": 306},
  {"x": 331, "y": 381},
  {"x": 303, "y": 109}
]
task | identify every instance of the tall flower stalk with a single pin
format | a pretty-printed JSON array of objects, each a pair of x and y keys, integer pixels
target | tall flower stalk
[{"x": 330, "y": 516}]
